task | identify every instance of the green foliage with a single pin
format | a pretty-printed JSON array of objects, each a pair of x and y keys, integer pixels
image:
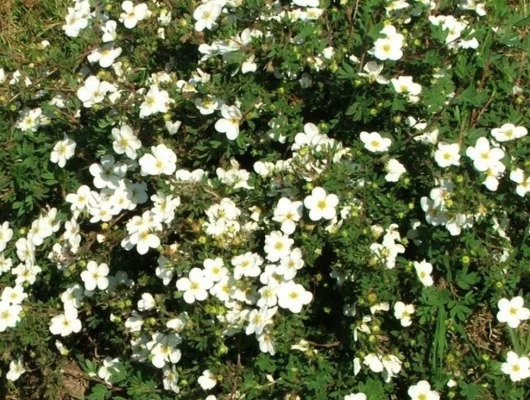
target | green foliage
[{"x": 466, "y": 92}]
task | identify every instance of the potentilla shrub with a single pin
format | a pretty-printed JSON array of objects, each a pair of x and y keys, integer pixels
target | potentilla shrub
[{"x": 235, "y": 199}]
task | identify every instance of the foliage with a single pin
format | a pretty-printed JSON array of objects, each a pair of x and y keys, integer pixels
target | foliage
[{"x": 264, "y": 104}]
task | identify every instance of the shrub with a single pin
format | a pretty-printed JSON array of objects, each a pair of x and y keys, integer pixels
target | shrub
[{"x": 280, "y": 200}]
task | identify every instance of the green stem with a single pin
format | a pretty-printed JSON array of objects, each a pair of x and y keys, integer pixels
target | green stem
[
  {"x": 527, "y": 345},
  {"x": 515, "y": 341}
]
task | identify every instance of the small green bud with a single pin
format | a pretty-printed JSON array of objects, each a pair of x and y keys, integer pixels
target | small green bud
[
  {"x": 323, "y": 127},
  {"x": 223, "y": 349}
]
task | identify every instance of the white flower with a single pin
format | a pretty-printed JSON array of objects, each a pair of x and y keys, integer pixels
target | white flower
[
  {"x": 16, "y": 369},
  {"x": 424, "y": 270},
  {"x": 94, "y": 91},
  {"x": 277, "y": 246},
  {"x": 134, "y": 322},
  {"x": 207, "y": 380},
  {"x": 170, "y": 380},
  {"x": 65, "y": 324},
  {"x": 30, "y": 120},
  {"x": 374, "y": 362},
  {"x": 164, "y": 18},
  {"x": 293, "y": 296},
  {"x": 208, "y": 105},
  {"x": 195, "y": 287},
  {"x": 95, "y": 276},
  {"x": 287, "y": 213},
  {"x": 311, "y": 136},
  {"x": 405, "y": 85},
  {"x": 13, "y": 295},
  {"x": 306, "y": 3},
  {"x": 247, "y": 264},
  {"x": 517, "y": 367},
  {"x": 75, "y": 22},
  {"x": 155, "y": 101},
  {"x": 422, "y": 391},
  {"x": 6, "y": 234},
  {"x": 512, "y": 311},
  {"x": 173, "y": 127},
  {"x": 447, "y": 154},
  {"x": 394, "y": 170},
  {"x": 229, "y": 124},
  {"x": 132, "y": 14},
  {"x": 484, "y": 157},
  {"x": 374, "y": 142},
  {"x": 392, "y": 366},
  {"x": 372, "y": 71},
  {"x": 62, "y": 151},
  {"x": 108, "y": 368},
  {"x": 206, "y": 14},
  {"x": 321, "y": 205},
  {"x": 125, "y": 141},
  {"x": 290, "y": 264},
  {"x": 249, "y": 65},
  {"x": 109, "y": 31},
  {"x": 78, "y": 200},
  {"x": 266, "y": 343},
  {"x": 146, "y": 302},
  {"x": 163, "y": 160},
  {"x": 517, "y": 176},
  {"x": 403, "y": 312},
  {"x": 73, "y": 296},
  {"x": 144, "y": 240},
  {"x": 509, "y": 132},
  {"x": 9, "y": 315},
  {"x": 259, "y": 319},
  {"x": 214, "y": 269},
  {"x": 355, "y": 396},
  {"x": 105, "y": 55},
  {"x": 164, "y": 349},
  {"x": 26, "y": 272},
  {"x": 388, "y": 47},
  {"x": 25, "y": 250}
]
